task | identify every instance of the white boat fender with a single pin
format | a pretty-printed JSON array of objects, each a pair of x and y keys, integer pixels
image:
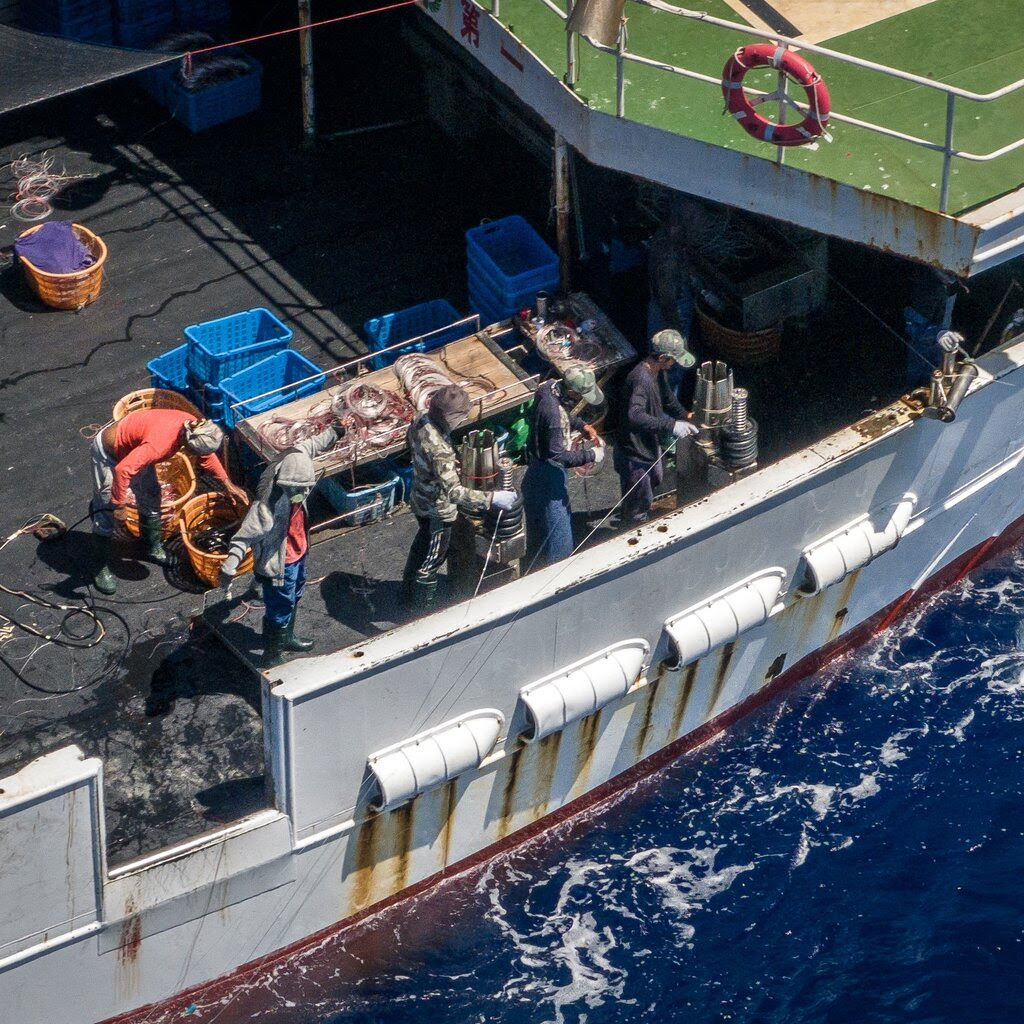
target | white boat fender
[
  {"x": 834, "y": 557},
  {"x": 581, "y": 688},
  {"x": 434, "y": 757},
  {"x": 723, "y": 617}
]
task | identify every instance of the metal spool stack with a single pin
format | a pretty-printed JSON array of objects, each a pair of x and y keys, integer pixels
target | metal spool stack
[
  {"x": 738, "y": 438},
  {"x": 510, "y": 522},
  {"x": 712, "y": 402}
]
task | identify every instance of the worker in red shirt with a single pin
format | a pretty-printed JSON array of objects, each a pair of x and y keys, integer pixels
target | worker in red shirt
[{"x": 125, "y": 454}]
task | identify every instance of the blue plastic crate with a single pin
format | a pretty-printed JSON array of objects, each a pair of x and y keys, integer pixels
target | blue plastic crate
[
  {"x": 493, "y": 307},
  {"x": 427, "y": 317},
  {"x": 511, "y": 256},
  {"x": 82, "y": 20},
  {"x": 287, "y": 374},
  {"x": 141, "y": 34},
  {"x": 143, "y": 10},
  {"x": 219, "y": 348},
  {"x": 169, "y": 370},
  {"x": 369, "y": 499},
  {"x": 156, "y": 80},
  {"x": 222, "y": 101},
  {"x": 208, "y": 398}
]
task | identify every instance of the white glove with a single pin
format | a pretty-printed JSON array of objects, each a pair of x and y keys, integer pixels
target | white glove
[
  {"x": 503, "y": 500},
  {"x": 598, "y": 451},
  {"x": 226, "y": 581},
  {"x": 683, "y": 429}
]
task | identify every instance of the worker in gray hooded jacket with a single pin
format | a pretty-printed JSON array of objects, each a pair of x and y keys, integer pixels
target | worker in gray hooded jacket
[{"x": 276, "y": 529}]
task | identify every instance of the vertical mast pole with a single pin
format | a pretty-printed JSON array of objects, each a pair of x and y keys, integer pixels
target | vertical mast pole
[
  {"x": 561, "y": 175},
  {"x": 306, "y": 59}
]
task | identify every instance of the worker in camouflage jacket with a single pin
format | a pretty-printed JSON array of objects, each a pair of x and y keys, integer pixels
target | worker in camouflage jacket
[
  {"x": 438, "y": 493},
  {"x": 276, "y": 527}
]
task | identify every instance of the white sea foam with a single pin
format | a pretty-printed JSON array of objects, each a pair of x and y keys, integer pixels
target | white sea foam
[{"x": 867, "y": 787}]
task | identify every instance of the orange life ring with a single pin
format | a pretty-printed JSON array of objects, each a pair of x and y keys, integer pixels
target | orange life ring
[{"x": 770, "y": 55}]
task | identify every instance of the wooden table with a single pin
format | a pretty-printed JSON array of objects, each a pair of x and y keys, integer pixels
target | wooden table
[{"x": 472, "y": 358}]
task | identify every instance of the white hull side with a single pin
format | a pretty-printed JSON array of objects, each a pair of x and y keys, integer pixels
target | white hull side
[{"x": 181, "y": 918}]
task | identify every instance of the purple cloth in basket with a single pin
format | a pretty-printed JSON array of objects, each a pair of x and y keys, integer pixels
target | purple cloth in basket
[{"x": 54, "y": 249}]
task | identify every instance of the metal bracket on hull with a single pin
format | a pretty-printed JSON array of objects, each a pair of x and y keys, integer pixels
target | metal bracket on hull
[
  {"x": 722, "y": 618},
  {"x": 434, "y": 757},
  {"x": 836, "y": 556},
  {"x": 582, "y": 688}
]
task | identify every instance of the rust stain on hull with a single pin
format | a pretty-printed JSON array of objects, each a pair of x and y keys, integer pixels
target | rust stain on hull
[
  {"x": 683, "y": 700},
  {"x": 845, "y": 592},
  {"x": 515, "y": 760},
  {"x": 128, "y": 950},
  {"x": 547, "y": 765},
  {"x": 720, "y": 676},
  {"x": 588, "y": 731},
  {"x": 362, "y": 876},
  {"x": 451, "y": 799},
  {"x": 648, "y": 712}
]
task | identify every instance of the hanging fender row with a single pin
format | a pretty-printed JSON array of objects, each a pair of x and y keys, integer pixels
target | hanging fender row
[{"x": 739, "y": 105}]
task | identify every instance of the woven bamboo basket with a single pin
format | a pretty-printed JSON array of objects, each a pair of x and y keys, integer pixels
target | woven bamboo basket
[
  {"x": 74, "y": 290},
  {"x": 203, "y": 512},
  {"x": 153, "y": 398},
  {"x": 178, "y": 471},
  {"x": 738, "y": 348}
]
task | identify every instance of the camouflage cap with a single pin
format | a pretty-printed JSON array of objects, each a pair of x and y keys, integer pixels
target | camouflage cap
[
  {"x": 673, "y": 344},
  {"x": 581, "y": 379}
]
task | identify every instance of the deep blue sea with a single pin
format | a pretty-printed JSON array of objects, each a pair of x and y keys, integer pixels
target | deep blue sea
[{"x": 853, "y": 852}]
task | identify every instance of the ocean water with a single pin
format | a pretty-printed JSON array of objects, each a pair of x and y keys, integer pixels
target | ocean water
[{"x": 852, "y": 852}]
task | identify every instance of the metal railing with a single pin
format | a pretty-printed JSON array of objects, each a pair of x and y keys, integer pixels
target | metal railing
[{"x": 952, "y": 93}]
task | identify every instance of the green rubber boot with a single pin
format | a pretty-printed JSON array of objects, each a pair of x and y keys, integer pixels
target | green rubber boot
[
  {"x": 149, "y": 531},
  {"x": 274, "y": 643},
  {"x": 102, "y": 579},
  {"x": 425, "y": 597},
  {"x": 296, "y": 643}
]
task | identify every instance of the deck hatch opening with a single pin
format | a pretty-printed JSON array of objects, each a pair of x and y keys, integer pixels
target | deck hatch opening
[
  {"x": 834, "y": 557},
  {"x": 722, "y": 618},
  {"x": 581, "y": 689},
  {"x": 432, "y": 758}
]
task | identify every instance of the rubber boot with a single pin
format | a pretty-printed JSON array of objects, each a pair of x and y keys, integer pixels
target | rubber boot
[
  {"x": 273, "y": 643},
  {"x": 103, "y": 579},
  {"x": 424, "y": 597},
  {"x": 149, "y": 531},
  {"x": 296, "y": 643}
]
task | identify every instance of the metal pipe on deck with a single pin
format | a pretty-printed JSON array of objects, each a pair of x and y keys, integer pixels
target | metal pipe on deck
[
  {"x": 562, "y": 206},
  {"x": 306, "y": 62}
]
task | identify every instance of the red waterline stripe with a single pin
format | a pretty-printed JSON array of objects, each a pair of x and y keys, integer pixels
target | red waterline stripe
[{"x": 812, "y": 663}]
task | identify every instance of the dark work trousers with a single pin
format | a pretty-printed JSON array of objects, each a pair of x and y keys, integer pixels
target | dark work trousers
[
  {"x": 279, "y": 601},
  {"x": 548, "y": 516},
  {"x": 428, "y": 553},
  {"x": 637, "y": 480}
]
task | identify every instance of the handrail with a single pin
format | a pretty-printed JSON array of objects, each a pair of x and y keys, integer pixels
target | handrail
[{"x": 623, "y": 55}]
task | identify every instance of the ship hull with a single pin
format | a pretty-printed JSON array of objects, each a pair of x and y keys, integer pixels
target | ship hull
[{"x": 203, "y": 923}]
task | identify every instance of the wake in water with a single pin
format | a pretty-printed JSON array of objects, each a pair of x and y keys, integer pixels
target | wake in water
[{"x": 849, "y": 853}]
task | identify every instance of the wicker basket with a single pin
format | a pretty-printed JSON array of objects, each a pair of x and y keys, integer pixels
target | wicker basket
[
  {"x": 74, "y": 290},
  {"x": 153, "y": 398},
  {"x": 201, "y": 513},
  {"x": 177, "y": 470},
  {"x": 738, "y": 348}
]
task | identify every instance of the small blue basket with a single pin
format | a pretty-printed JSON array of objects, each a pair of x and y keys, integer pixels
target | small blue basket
[
  {"x": 200, "y": 109},
  {"x": 511, "y": 256},
  {"x": 426, "y": 318},
  {"x": 219, "y": 348},
  {"x": 493, "y": 307},
  {"x": 288, "y": 374},
  {"x": 370, "y": 499}
]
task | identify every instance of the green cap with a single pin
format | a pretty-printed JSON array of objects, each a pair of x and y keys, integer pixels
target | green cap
[
  {"x": 672, "y": 343},
  {"x": 580, "y": 379}
]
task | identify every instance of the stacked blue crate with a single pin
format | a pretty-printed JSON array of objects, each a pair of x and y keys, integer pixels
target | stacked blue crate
[
  {"x": 87, "y": 21},
  {"x": 507, "y": 263},
  {"x": 427, "y": 318},
  {"x": 216, "y": 349},
  {"x": 140, "y": 23},
  {"x": 204, "y": 14}
]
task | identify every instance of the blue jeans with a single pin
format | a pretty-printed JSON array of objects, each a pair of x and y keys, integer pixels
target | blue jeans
[
  {"x": 548, "y": 516},
  {"x": 279, "y": 601}
]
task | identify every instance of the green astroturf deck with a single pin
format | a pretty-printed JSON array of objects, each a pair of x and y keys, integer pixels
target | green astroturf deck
[{"x": 973, "y": 44}]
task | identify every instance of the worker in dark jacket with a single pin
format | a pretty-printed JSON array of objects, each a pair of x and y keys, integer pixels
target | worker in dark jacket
[
  {"x": 437, "y": 493},
  {"x": 545, "y": 491},
  {"x": 125, "y": 455},
  {"x": 276, "y": 527},
  {"x": 650, "y": 412}
]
